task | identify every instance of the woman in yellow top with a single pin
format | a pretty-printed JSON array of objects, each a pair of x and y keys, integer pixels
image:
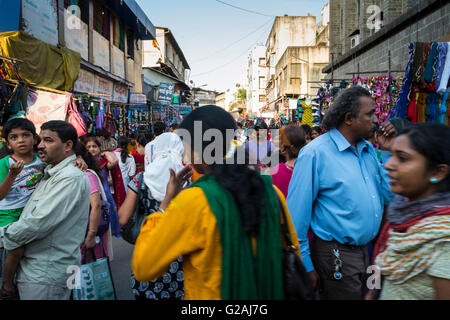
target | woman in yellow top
[{"x": 226, "y": 225}]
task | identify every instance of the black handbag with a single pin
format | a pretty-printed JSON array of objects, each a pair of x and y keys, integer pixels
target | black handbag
[
  {"x": 131, "y": 230},
  {"x": 297, "y": 283}
]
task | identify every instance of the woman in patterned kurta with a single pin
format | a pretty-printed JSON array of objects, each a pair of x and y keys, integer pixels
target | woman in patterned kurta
[
  {"x": 168, "y": 152},
  {"x": 413, "y": 249}
]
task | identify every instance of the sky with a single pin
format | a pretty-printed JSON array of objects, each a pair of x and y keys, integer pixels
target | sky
[{"x": 216, "y": 38}]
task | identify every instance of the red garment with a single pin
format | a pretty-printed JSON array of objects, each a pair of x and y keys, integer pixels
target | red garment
[
  {"x": 382, "y": 241},
  {"x": 119, "y": 189},
  {"x": 139, "y": 160},
  {"x": 281, "y": 176},
  {"x": 412, "y": 109}
]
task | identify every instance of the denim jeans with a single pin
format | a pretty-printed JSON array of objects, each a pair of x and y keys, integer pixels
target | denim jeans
[{"x": 3, "y": 254}]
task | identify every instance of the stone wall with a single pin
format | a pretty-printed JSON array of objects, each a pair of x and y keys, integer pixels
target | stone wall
[{"x": 430, "y": 27}]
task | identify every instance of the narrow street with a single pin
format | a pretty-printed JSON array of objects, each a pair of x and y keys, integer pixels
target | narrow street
[{"x": 121, "y": 268}]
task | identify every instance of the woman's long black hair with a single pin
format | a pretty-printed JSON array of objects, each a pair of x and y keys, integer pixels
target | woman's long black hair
[
  {"x": 123, "y": 144},
  {"x": 245, "y": 184},
  {"x": 80, "y": 150}
]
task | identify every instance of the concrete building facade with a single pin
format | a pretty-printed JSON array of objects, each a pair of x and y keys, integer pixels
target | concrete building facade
[
  {"x": 256, "y": 79},
  {"x": 296, "y": 52},
  {"x": 164, "y": 61},
  {"x": 108, "y": 35},
  {"x": 165, "y": 54}
]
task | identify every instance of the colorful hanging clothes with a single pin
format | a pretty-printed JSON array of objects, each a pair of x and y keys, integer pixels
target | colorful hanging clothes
[
  {"x": 401, "y": 106},
  {"x": 445, "y": 74},
  {"x": 119, "y": 193},
  {"x": 443, "y": 49},
  {"x": 429, "y": 74},
  {"x": 412, "y": 108}
]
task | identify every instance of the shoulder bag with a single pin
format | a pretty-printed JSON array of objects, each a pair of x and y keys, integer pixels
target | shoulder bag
[
  {"x": 131, "y": 230},
  {"x": 297, "y": 283},
  {"x": 75, "y": 119},
  {"x": 105, "y": 216}
]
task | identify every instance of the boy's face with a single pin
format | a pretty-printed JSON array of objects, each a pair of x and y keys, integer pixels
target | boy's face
[{"x": 21, "y": 141}]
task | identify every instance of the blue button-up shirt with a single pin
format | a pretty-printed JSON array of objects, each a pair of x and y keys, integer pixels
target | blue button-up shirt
[{"x": 338, "y": 192}]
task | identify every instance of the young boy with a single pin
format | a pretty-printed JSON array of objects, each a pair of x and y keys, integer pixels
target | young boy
[{"x": 20, "y": 173}]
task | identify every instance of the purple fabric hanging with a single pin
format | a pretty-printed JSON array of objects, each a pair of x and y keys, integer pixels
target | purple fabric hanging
[{"x": 99, "y": 123}]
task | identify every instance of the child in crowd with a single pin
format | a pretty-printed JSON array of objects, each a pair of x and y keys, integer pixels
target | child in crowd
[{"x": 20, "y": 173}]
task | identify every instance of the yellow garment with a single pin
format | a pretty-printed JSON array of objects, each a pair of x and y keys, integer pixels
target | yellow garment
[
  {"x": 188, "y": 228},
  {"x": 43, "y": 64},
  {"x": 130, "y": 148},
  {"x": 307, "y": 117}
]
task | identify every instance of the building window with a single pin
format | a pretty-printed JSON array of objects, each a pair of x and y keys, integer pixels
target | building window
[
  {"x": 84, "y": 8},
  {"x": 130, "y": 44},
  {"x": 118, "y": 34},
  {"x": 295, "y": 81},
  {"x": 296, "y": 70},
  {"x": 354, "y": 41},
  {"x": 262, "y": 61},
  {"x": 101, "y": 19},
  {"x": 284, "y": 73},
  {"x": 262, "y": 98},
  {"x": 262, "y": 82}
]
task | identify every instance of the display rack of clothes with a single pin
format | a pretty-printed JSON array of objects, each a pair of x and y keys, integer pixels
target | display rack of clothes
[
  {"x": 424, "y": 93},
  {"x": 384, "y": 89}
]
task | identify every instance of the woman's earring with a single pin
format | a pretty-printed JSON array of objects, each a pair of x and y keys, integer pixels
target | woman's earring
[{"x": 433, "y": 180}]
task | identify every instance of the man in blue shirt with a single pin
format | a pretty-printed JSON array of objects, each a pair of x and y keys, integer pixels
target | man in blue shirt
[{"x": 339, "y": 190}]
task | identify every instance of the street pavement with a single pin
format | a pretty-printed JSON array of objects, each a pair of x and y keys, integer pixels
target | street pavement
[{"x": 121, "y": 268}]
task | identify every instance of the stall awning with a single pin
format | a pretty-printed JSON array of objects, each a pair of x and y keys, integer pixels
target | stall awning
[{"x": 129, "y": 10}]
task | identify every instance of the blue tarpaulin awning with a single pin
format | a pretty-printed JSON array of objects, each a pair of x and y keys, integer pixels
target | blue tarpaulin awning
[
  {"x": 134, "y": 16},
  {"x": 9, "y": 15}
]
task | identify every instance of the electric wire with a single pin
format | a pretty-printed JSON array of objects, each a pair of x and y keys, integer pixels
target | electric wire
[
  {"x": 233, "y": 43},
  {"x": 243, "y": 9},
  {"x": 230, "y": 62}
]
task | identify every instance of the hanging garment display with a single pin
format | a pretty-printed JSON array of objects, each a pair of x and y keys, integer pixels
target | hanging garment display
[
  {"x": 425, "y": 83},
  {"x": 44, "y": 106}
]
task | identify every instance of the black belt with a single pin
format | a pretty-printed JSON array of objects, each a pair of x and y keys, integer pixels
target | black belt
[{"x": 338, "y": 244}]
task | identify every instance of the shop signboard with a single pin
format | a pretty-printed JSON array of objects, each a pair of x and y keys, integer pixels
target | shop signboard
[
  {"x": 120, "y": 93},
  {"x": 77, "y": 39},
  {"x": 85, "y": 82},
  {"x": 165, "y": 92},
  {"x": 137, "y": 98},
  {"x": 101, "y": 51},
  {"x": 103, "y": 88},
  {"x": 40, "y": 19}
]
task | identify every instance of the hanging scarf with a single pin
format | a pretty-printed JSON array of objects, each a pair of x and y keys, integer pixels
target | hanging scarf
[
  {"x": 410, "y": 240},
  {"x": 119, "y": 189},
  {"x": 245, "y": 277},
  {"x": 401, "y": 105}
]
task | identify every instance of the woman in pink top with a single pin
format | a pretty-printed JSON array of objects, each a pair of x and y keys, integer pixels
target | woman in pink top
[
  {"x": 292, "y": 139},
  {"x": 91, "y": 243}
]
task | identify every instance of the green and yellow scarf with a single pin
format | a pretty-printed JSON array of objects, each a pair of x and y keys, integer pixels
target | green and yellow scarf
[{"x": 244, "y": 276}]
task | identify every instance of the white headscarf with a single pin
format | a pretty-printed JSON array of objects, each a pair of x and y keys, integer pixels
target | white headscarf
[{"x": 165, "y": 152}]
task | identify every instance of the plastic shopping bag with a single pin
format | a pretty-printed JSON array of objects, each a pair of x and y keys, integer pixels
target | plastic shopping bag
[{"x": 95, "y": 281}]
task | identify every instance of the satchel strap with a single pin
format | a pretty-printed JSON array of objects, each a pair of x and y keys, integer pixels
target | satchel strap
[
  {"x": 142, "y": 192},
  {"x": 100, "y": 184},
  {"x": 285, "y": 229}
]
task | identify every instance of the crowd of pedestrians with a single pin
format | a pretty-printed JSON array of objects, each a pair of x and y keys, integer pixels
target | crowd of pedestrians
[{"x": 362, "y": 199}]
